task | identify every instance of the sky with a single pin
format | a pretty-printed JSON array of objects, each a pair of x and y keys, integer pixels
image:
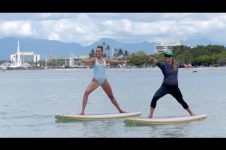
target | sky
[{"x": 86, "y": 28}]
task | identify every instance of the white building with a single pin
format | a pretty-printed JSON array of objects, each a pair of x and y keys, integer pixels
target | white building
[
  {"x": 21, "y": 57},
  {"x": 164, "y": 46}
]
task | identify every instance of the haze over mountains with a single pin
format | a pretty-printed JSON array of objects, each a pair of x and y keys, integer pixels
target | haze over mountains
[{"x": 50, "y": 48}]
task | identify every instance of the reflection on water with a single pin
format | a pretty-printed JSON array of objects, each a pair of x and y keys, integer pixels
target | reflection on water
[
  {"x": 172, "y": 130},
  {"x": 31, "y": 99}
]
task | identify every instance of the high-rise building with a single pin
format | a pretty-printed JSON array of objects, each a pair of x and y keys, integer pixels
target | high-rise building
[{"x": 164, "y": 46}]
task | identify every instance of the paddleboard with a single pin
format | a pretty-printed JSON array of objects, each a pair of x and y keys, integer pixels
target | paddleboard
[
  {"x": 163, "y": 120},
  {"x": 68, "y": 117}
]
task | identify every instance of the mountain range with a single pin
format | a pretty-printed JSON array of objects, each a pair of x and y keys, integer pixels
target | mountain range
[{"x": 52, "y": 48}]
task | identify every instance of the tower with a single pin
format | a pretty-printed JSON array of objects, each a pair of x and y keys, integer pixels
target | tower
[{"x": 18, "y": 60}]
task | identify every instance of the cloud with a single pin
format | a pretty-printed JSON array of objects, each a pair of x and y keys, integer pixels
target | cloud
[
  {"x": 16, "y": 28},
  {"x": 53, "y": 36},
  {"x": 85, "y": 28}
]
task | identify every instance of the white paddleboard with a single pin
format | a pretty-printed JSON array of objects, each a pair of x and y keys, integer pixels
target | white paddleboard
[
  {"x": 165, "y": 120},
  {"x": 65, "y": 117}
]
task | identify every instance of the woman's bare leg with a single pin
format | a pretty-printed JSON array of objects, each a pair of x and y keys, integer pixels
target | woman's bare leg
[
  {"x": 190, "y": 112},
  {"x": 107, "y": 88},
  {"x": 91, "y": 87}
]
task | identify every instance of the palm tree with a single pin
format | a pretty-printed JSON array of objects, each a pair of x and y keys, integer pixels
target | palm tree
[
  {"x": 104, "y": 44},
  {"x": 108, "y": 50}
]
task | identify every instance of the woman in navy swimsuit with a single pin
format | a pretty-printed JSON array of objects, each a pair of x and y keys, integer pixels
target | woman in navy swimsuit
[{"x": 170, "y": 82}]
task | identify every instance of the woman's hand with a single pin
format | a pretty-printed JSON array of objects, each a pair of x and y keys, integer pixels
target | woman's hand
[
  {"x": 188, "y": 66},
  {"x": 152, "y": 59},
  {"x": 125, "y": 62}
]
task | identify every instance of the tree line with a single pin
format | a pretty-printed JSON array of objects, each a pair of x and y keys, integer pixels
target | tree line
[{"x": 210, "y": 55}]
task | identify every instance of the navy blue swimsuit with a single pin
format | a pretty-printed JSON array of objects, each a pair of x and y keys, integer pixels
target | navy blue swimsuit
[
  {"x": 169, "y": 85},
  {"x": 170, "y": 75}
]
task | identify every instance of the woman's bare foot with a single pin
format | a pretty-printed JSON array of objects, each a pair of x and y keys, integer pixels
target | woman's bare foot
[
  {"x": 82, "y": 113},
  {"x": 150, "y": 116},
  {"x": 192, "y": 114},
  {"x": 121, "y": 111}
]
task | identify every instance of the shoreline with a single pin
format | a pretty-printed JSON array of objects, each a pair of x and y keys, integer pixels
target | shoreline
[{"x": 127, "y": 69}]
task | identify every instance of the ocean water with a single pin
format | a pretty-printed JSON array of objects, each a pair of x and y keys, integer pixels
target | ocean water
[{"x": 30, "y": 99}]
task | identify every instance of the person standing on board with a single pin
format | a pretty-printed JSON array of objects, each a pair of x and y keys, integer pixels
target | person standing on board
[
  {"x": 170, "y": 82},
  {"x": 99, "y": 78}
]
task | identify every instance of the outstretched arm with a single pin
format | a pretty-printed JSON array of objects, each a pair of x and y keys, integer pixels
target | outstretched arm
[
  {"x": 89, "y": 60},
  {"x": 152, "y": 59},
  {"x": 115, "y": 61},
  {"x": 187, "y": 66}
]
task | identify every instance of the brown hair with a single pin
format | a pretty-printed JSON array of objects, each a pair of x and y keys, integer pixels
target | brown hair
[
  {"x": 174, "y": 64},
  {"x": 101, "y": 47}
]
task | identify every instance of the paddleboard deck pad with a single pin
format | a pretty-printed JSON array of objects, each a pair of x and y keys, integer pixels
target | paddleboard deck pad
[
  {"x": 162, "y": 121},
  {"x": 68, "y": 117}
]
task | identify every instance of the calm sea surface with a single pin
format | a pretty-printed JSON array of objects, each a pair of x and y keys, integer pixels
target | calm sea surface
[{"x": 29, "y": 100}]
